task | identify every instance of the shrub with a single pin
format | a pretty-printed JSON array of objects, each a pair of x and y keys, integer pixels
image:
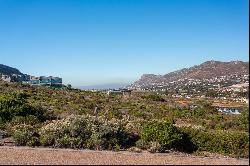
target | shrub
[
  {"x": 142, "y": 144},
  {"x": 34, "y": 141},
  {"x": 53, "y": 131},
  {"x": 2, "y": 123},
  {"x": 103, "y": 137},
  {"x": 25, "y": 135},
  {"x": 243, "y": 120},
  {"x": 3, "y": 134},
  {"x": 68, "y": 142},
  {"x": 154, "y": 97},
  {"x": 228, "y": 143},
  {"x": 163, "y": 133},
  {"x": 155, "y": 147},
  {"x": 30, "y": 119},
  {"x": 16, "y": 105},
  {"x": 85, "y": 131}
]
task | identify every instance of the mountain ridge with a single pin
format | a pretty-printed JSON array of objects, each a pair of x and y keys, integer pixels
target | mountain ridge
[
  {"x": 206, "y": 70},
  {"x": 7, "y": 70}
]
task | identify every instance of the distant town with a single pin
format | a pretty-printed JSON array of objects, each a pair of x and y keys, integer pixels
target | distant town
[{"x": 32, "y": 80}]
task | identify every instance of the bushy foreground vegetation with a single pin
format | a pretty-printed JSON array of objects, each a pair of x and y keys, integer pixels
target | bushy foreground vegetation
[
  {"x": 159, "y": 136},
  {"x": 12, "y": 106},
  {"x": 75, "y": 132},
  {"x": 163, "y": 136},
  {"x": 37, "y": 116},
  {"x": 223, "y": 142},
  {"x": 96, "y": 133}
]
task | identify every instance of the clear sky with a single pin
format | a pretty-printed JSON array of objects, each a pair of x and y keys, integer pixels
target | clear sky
[{"x": 116, "y": 41}]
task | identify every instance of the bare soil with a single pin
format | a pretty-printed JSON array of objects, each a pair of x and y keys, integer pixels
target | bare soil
[{"x": 50, "y": 156}]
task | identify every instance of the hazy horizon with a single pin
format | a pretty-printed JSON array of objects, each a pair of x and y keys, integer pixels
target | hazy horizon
[
  {"x": 103, "y": 86},
  {"x": 117, "y": 85},
  {"x": 101, "y": 42}
]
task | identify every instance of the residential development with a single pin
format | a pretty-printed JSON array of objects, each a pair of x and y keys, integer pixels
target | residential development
[{"x": 42, "y": 80}]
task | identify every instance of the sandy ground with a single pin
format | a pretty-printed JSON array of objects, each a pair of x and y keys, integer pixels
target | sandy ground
[{"x": 38, "y": 156}]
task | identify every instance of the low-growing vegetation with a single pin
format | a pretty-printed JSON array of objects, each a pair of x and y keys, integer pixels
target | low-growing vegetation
[
  {"x": 71, "y": 118},
  {"x": 160, "y": 136},
  {"x": 223, "y": 142}
]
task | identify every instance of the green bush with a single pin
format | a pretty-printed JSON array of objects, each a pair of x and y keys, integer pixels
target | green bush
[
  {"x": 3, "y": 134},
  {"x": 142, "y": 144},
  {"x": 85, "y": 131},
  {"x": 34, "y": 141},
  {"x": 16, "y": 105},
  {"x": 30, "y": 119},
  {"x": 162, "y": 132},
  {"x": 223, "y": 142},
  {"x": 243, "y": 120},
  {"x": 154, "y": 97},
  {"x": 156, "y": 147},
  {"x": 2, "y": 123},
  {"x": 68, "y": 142},
  {"x": 26, "y": 135}
]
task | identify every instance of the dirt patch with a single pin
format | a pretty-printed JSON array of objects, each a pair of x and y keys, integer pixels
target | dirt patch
[{"x": 28, "y": 156}]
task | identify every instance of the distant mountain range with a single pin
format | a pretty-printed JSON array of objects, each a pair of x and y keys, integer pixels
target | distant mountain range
[{"x": 207, "y": 70}]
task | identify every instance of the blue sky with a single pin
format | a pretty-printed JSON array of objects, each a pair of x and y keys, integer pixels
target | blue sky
[{"x": 90, "y": 42}]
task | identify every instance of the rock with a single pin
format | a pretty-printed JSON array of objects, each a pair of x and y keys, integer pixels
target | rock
[
  {"x": 8, "y": 141},
  {"x": 135, "y": 149}
]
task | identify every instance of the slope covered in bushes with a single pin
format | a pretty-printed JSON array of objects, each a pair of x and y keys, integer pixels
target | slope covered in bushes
[{"x": 71, "y": 118}]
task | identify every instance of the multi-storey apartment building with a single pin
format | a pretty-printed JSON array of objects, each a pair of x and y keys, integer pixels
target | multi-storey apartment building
[{"x": 42, "y": 80}]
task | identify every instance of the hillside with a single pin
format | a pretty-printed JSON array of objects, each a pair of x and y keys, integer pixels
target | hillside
[
  {"x": 6, "y": 70},
  {"x": 205, "y": 71},
  {"x": 32, "y": 115}
]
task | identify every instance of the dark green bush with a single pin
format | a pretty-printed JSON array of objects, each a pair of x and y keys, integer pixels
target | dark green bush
[
  {"x": 228, "y": 143},
  {"x": 16, "y": 105},
  {"x": 154, "y": 97},
  {"x": 2, "y": 124},
  {"x": 243, "y": 120},
  {"x": 162, "y": 132},
  {"x": 3, "y": 134}
]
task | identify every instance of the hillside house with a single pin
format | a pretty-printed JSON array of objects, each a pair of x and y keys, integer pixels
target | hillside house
[
  {"x": 11, "y": 78},
  {"x": 6, "y": 78},
  {"x": 228, "y": 109},
  {"x": 114, "y": 91},
  {"x": 124, "y": 92}
]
